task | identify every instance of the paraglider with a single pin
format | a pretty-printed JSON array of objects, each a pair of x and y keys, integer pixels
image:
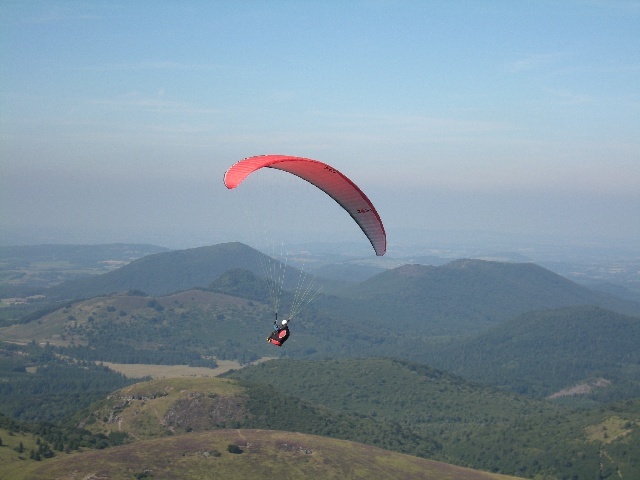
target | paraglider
[
  {"x": 332, "y": 182},
  {"x": 326, "y": 178},
  {"x": 279, "y": 334}
]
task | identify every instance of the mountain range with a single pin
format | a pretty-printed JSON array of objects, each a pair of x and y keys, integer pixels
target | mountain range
[
  {"x": 519, "y": 358},
  {"x": 461, "y": 297},
  {"x": 518, "y": 326}
]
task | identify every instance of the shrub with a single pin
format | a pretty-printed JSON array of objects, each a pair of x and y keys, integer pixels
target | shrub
[{"x": 233, "y": 448}]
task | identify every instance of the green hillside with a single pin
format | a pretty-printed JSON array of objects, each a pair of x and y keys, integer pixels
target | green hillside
[
  {"x": 476, "y": 426},
  {"x": 539, "y": 353},
  {"x": 175, "y": 406},
  {"x": 184, "y": 328},
  {"x": 462, "y": 297},
  {"x": 177, "y": 270},
  {"x": 536, "y": 354},
  {"x": 188, "y": 327},
  {"x": 399, "y": 406},
  {"x": 247, "y": 455},
  {"x": 37, "y": 384},
  {"x": 533, "y": 332}
]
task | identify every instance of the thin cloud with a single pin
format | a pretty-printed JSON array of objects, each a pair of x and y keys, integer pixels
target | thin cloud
[
  {"x": 571, "y": 98},
  {"x": 416, "y": 123},
  {"x": 534, "y": 62},
  {"x": 134, "y": 102},
  {"x": 155, "y": 65},
  {"x": 63, "y": 14}
]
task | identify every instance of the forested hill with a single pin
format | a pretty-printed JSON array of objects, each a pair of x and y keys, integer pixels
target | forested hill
[
  {"x": 476, "y": 426},
  {"x": 169, "y": 272},
  {"x": 464, "y": 296},
  {"x": 539, "y": 353},
  {"x": 194, "y": 428}
]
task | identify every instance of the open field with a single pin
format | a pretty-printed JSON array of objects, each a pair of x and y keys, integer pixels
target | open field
[{"x": 138, "y": 370}]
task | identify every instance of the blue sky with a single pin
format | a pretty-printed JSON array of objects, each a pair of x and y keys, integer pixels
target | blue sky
[{"x": 118, "y": 119}]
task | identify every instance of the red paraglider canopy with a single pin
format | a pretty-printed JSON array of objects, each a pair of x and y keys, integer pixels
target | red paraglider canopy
[{"x": 327, "y": 179}]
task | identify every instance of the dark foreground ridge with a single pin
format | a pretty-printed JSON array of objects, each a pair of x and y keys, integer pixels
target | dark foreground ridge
[{"x": 248, "y": 455}]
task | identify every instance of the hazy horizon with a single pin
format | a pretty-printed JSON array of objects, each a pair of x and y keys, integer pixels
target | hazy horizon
[{"x": 473, "y": 123}]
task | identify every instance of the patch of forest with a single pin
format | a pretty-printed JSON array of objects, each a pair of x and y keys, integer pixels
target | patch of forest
[
  {"x": 536, "y": 354},
  {"x": 476, "y": 426},
  {"x": 539, "y": 353},
  {"x": 39, "y": 385}
]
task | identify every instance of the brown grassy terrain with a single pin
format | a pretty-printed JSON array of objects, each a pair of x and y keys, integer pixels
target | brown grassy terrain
[
  {"x": 612, "y": 429},
  {"x": 54, "y": 327},
  {"x": 265, "y": 454},
  {"x": 168, "y": 406}
]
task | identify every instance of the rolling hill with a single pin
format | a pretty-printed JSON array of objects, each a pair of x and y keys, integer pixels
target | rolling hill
[
  {"x": 462, "y": 297},
  {"x": 247, "y": 455},
  {"x": 533, "y": 332},
  {"x": 476, "y": 426},
  {"x": 539, "y": 353},
  {"x": 178, "y": 270},
  {"x": 175, "y": 406},
  {"x": 396, "y": 405},
  {"x": 184, "y": 328},
  {"x": 402, "y": 407}
]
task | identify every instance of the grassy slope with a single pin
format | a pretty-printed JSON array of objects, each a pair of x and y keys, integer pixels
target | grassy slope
[
  {"x": 265, "y": 454},
  {"x": 165, "y": 406},
  {"x": 209, "y": 323},
  {"x": 124, "y": 310},
  {"x": 14, "y": 464}
]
